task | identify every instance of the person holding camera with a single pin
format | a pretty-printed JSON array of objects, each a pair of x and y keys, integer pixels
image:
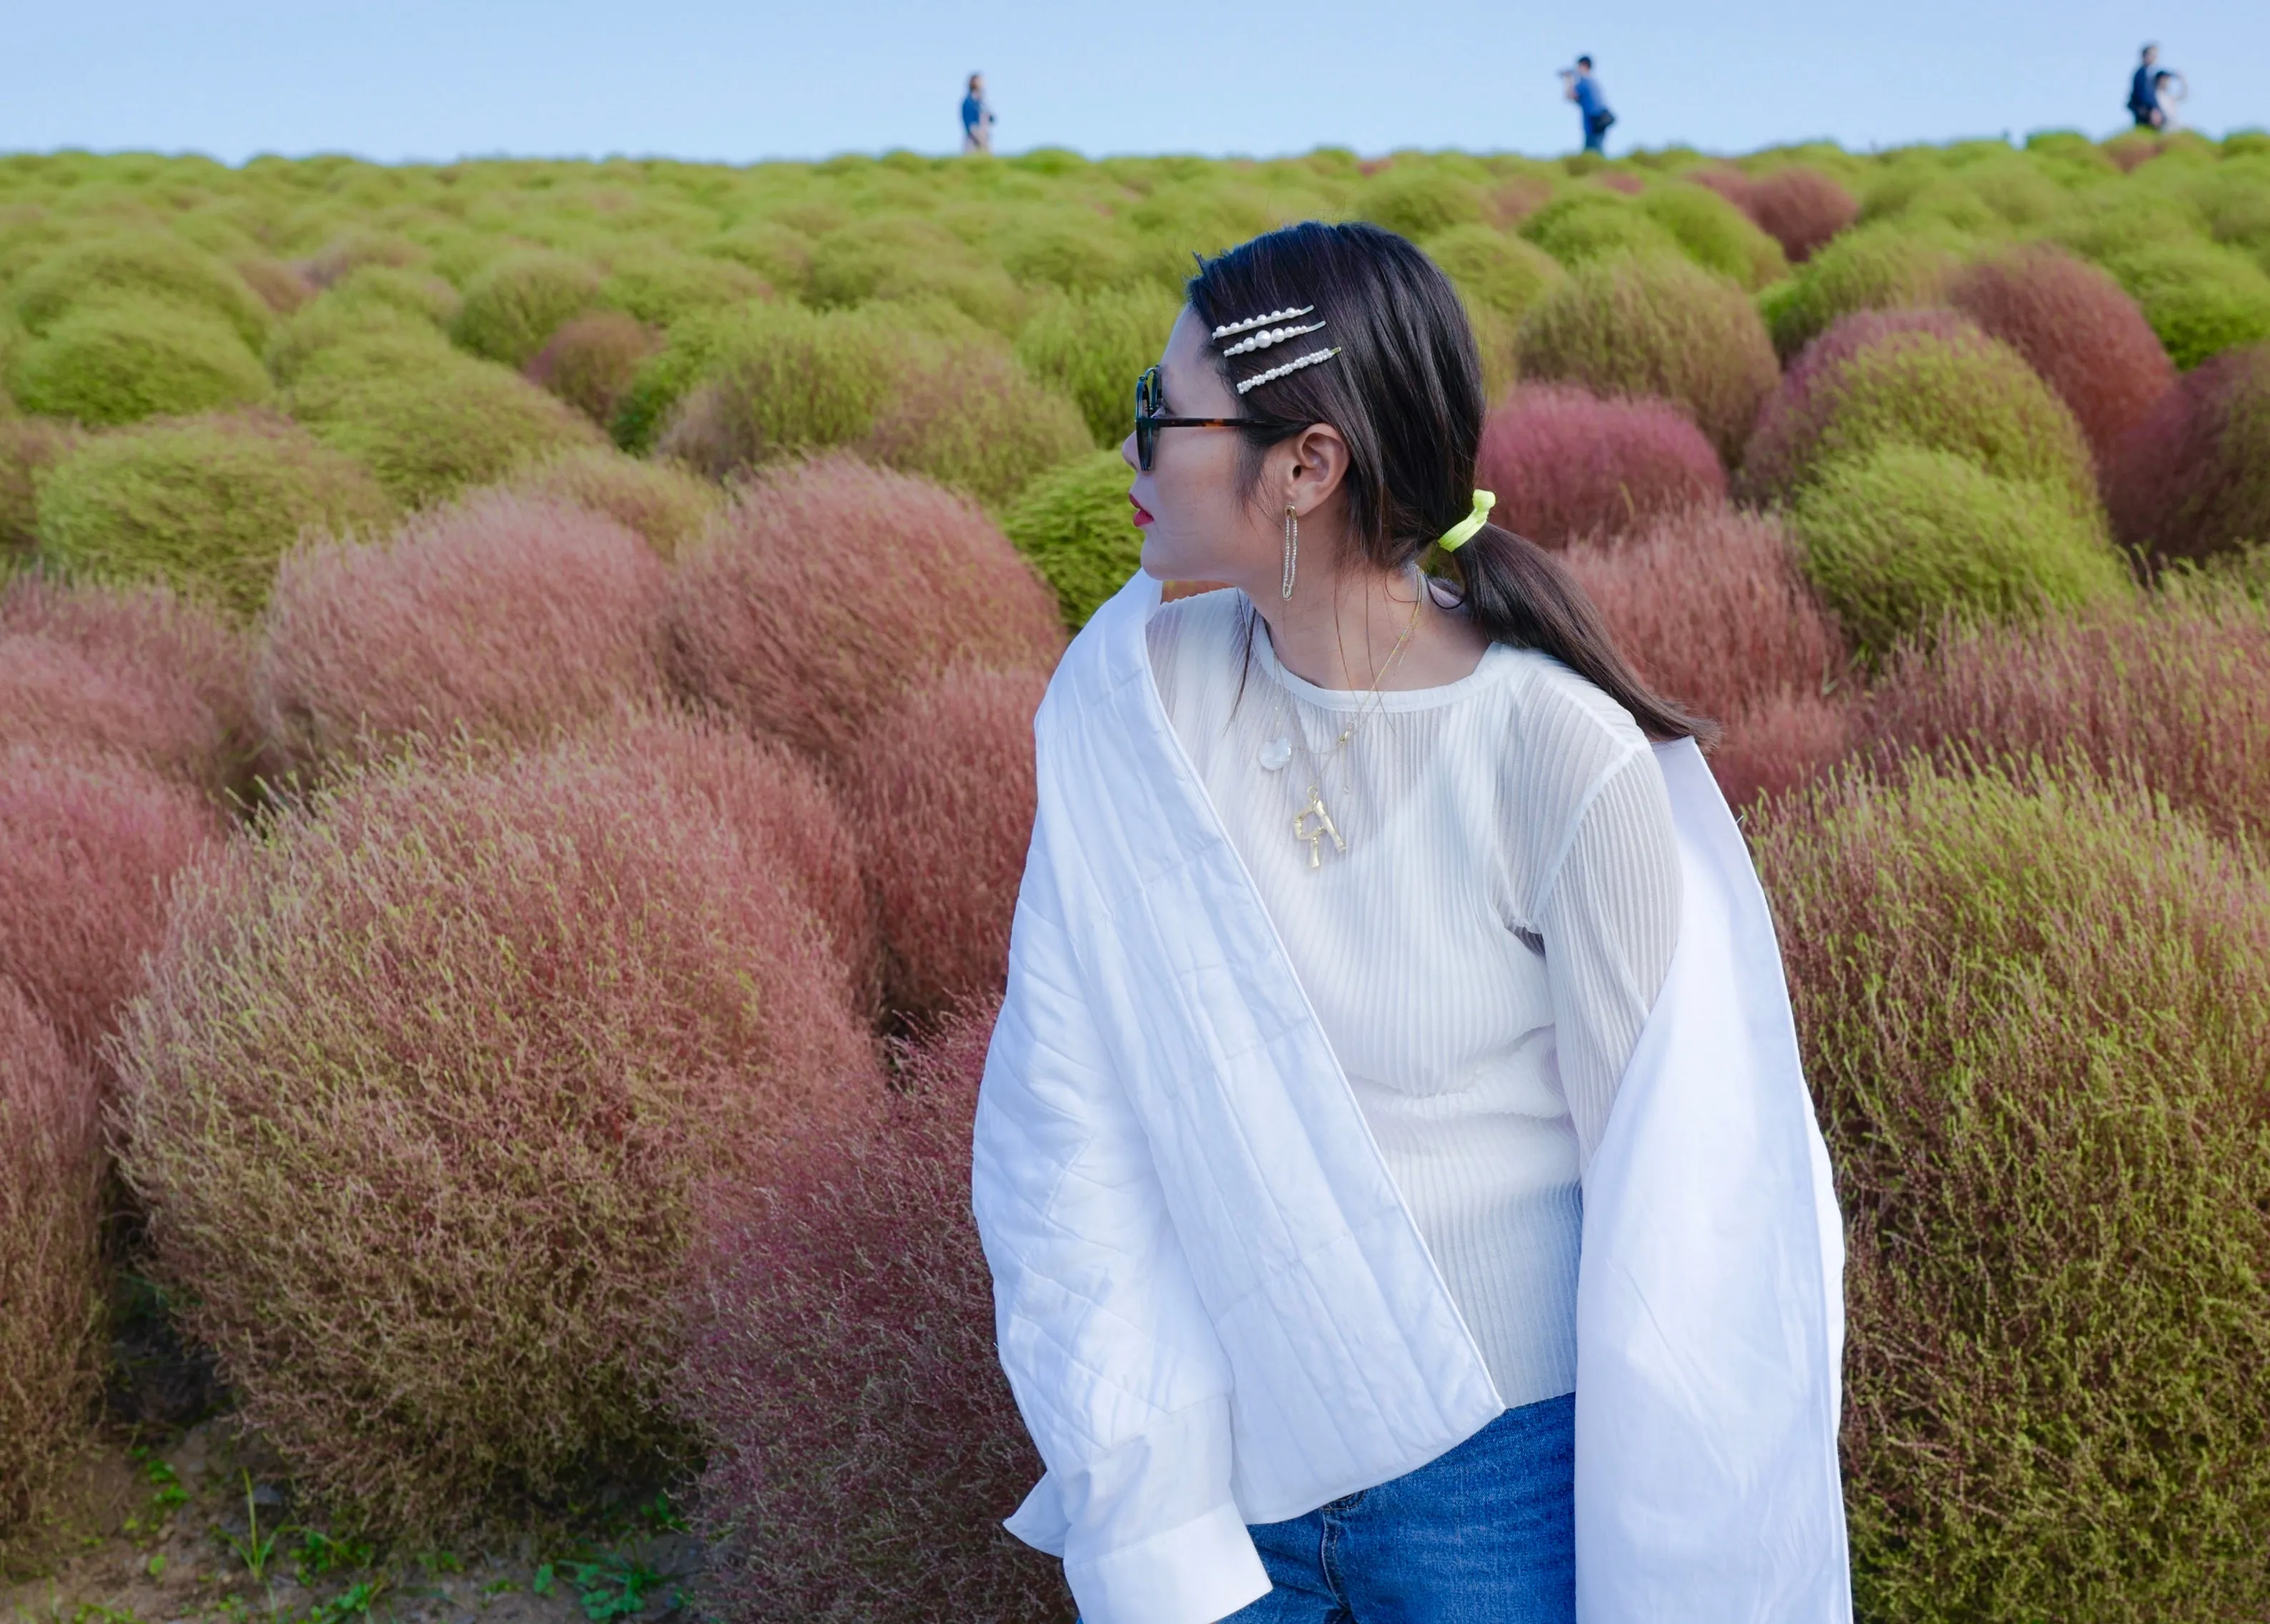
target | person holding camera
[{"x": 1579, "y": 86}]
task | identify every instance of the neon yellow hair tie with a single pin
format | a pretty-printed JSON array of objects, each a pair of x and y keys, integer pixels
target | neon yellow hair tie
[{"x": 1463, "y": 531}]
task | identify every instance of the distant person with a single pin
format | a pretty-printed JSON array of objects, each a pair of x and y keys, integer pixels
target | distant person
[
  {"x": 1579, "y": 86},
  {"x": 976, "y": 118},
  {"x": 2143, "y": 95},
  {"x": 2169, "y": 92}
]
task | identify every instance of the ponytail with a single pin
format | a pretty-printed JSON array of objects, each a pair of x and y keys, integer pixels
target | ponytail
[{"x": 1520, "y": 594}]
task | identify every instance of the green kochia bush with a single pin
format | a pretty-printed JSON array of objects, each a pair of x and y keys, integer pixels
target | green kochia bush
[
  {"x": 1922, "y": 378},
  {"x": 1093, "y": 348},
  {"x": 1879, "y": 267},
  {"x": 2198, "y": 297},
  {"x": 1716, "y": 234},
  {"x": 1076, "y": 526},
  {"x": 1418, "y": 200},
  {"x": 2033, "y": 1014},
  {"x": 132, "y": 358},
  {"x": 515, "y": 304},
  {"x": 428, "y": 429},
  {"x": 1596, "y": 225},
  {"x": 138, "y": 265},
  {"x": 206, "y": 505},
  {"x": 1656, "y": 326},
  {"x": 1898, "y": 539},
  {"x": 427, "y": 1080}
]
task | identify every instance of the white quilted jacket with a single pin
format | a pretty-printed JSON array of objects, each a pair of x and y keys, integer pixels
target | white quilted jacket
[{"x": 1213, "y": 1306}]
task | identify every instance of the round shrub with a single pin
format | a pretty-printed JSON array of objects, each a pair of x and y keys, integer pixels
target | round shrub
[
  {"x": 2173, "y": 692},
  {"x": 2050, "y": 1134},
  {"x": 775, "y": 250},
  {"x": 1077, "y": 254},
  {"x": 2201, "y": 297},
  {"x": 505, "y": 617},
  {"x": 414, "y": 293},
  {"x": 1880, "y": 267},
  {"x": 969, "y": 416},
  {"x": 51, "y": 1277},
  {"x": 591, "y": 360},
  {"x": 1717, "y": 236},
  {"x": 516, "y": 303},
  {"x": 1657, "y": 327},
  {"x": 1902, "y": 538},
  {"x": 1418, "y": 200},
  {"x": 660, "y": 500},
  {"x": 1921, "y": 378},
  {"x": 661, "y": 289},
  {"x": 773, "y": 380},
  {"x": 28, "y": 446},
  {"x": 277, "y": 285},
  {"x": 428, "y": 1078},
  {"x": 135, "y": 672},
  {"x": 942, "y": 785},
  {"x": 862, "y": 1443},
  {"x": 776, "y": 801},
  {"x": 128, "y": 359},
  {"x": 1713, "y": 608},
  {"x": 138, "y": 265},
  {"x": 1588, "y": 225},
  {"x": 355, "y": 248},
  {"x": 2192, "y": 479},
  {"x": 961, "y": 410},
  {"x": 1092, "y": 348},
  {"x": 1076, "y": 526},
  {"x": 761, "y": 626},
  {"x": 429, "y": 431},
  {"x": 1565, "y": 464},
  {"x": 1801, "y": 209},
  {"x": 88, "y": 845},
  {"x": 206, "y": 506},
  {"x": 336, "y": 336},
  {"x": 2076, "y": 328},
  {"x": 1499, "y": 277}
]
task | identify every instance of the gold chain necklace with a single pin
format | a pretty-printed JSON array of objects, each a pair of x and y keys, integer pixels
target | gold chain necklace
[{"x": 1313, "y": 824}]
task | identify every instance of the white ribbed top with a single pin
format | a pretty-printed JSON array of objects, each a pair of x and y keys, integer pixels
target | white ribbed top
[{"x": 1483, "y": 956}]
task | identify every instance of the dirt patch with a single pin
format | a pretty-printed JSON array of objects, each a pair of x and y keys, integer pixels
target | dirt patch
[{"x": 203, "y": 1528}]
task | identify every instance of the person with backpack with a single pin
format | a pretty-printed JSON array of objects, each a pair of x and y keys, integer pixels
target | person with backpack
[{"x": 1579, "y": 86}]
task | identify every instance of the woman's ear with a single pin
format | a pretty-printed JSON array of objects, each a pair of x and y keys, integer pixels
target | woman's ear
[{"x": 1318, "y": 463}]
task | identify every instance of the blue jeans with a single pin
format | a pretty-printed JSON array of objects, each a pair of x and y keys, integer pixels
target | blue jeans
[{"x": 1486, "y": 1534}]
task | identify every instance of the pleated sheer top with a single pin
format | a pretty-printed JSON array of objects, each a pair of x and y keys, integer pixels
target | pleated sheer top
[{"x": 1482, "y": 953}]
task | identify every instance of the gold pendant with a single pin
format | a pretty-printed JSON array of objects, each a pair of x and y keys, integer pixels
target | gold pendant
[{"x": 1324, "y": 826}]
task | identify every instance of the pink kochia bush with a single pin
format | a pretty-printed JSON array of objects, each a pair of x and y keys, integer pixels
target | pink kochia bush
[
  {"x": 2076, "y": 327},
  {"x": 1564, "y": 463},
  {"x": 863, "y": 1443},
  {"x": 2193, "y": 478},
  {"x": 942, "y": 787},
  {"x": 428, "y": 1076},
  {"x": 506, "y": 617},
  {"x": 1713, "y": 609},
  {"x": 50, "y": 1256},
  {"x": 776, "y": 799},
  {"x": 89, "y": 844},
  {"x": 1800, "y": 209},
  {"x": 131, "y": 669},
  {"x": 2173, "y": 692},
  {"x": 831, "y": 588}
]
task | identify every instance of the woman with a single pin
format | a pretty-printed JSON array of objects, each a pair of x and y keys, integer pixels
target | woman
[{"x": 1402, "y": 1200}]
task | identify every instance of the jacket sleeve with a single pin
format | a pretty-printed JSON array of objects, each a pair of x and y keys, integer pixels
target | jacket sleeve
[{"x": 1107, "y": 1348}]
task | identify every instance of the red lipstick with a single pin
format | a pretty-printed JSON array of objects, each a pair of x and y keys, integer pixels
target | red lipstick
[{"x": 1142, "y": 514}]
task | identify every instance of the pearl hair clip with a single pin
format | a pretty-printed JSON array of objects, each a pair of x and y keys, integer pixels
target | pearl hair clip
[
  {"x": 1275, "y": 335},
  {"x": 1231, "y": 329},
  {"x": 1294, "y": 365}
]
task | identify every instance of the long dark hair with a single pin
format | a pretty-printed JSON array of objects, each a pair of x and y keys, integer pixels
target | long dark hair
[{"x": 1406, "y": 393}]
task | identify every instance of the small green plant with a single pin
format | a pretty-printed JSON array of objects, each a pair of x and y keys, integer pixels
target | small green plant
[
  {"x": 614, "y": 1587},
  {"x": 321, "y": 1554},
  {"x": 254, "y": 1549}
]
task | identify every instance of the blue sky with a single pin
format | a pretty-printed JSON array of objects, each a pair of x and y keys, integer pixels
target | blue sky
[{"x": 696, "y": 78}]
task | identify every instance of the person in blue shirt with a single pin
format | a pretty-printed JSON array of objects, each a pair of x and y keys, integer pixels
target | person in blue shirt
[
  {"x": 2143, "y": 93},
  {"x": 976, "y": 118},
  {"x": 1578, "y": 85}
]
